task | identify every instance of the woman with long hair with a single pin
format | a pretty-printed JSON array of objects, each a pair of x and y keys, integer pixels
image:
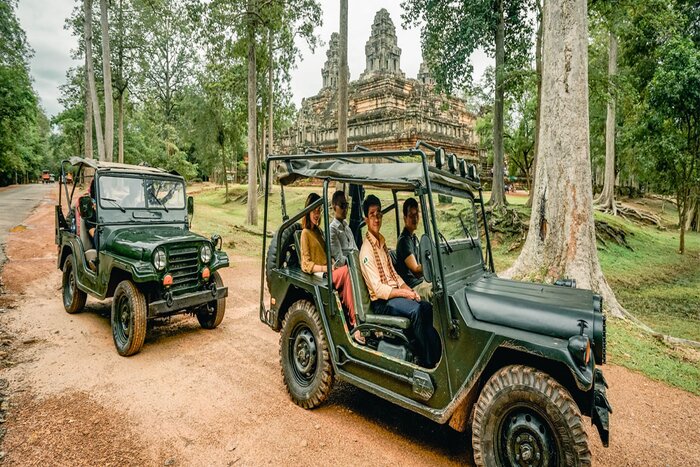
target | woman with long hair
[{"x": 313, "y": 260}]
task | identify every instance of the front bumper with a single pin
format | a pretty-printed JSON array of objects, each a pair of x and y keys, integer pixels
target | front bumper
[
  {"x": 186, "y": 301},
  {"x": 601, "y": 410}
]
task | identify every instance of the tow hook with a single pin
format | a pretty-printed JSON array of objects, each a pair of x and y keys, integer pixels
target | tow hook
[
  {"x": 212, "y": 289},
  {"x": 600, "y": 415}
]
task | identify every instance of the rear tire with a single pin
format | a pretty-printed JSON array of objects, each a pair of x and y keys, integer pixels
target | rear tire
[
  {"x": 525, "y": 417},
  {"x": 73, "y": 298},
  {"x": 128, "y": 318},
  {"x": 210, "y": 320},
  {"x": 304, "y": 356}
]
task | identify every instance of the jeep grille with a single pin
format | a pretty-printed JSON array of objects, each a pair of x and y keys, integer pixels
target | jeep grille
[{"x": 184, "y": 267}]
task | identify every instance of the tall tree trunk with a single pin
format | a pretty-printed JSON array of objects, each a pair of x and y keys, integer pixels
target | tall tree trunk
[
  {"x": 91, "y": 80},
  {"x": 222, "y": 140},
  {"x": 606, "y": 200},
  {"x": 343, "y": 79},
  {"x": 538, "y": 113},
  {"x": 88, "y": 115},
  {"x": 120, "y": 109},
  {"x": 497, "y": 194},
  {"x": 107, "y": 72},
  {"x": 271, "y": 85},
  {"x": 263, "y": 139},
  {"x": 561, "y": 240},
  {"x": 252, "y": 205}
]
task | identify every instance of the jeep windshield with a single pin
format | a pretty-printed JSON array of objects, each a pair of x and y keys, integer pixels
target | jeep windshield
[
  {"x": 457, "y": 220},
  {"x": 128, "y": 192}
]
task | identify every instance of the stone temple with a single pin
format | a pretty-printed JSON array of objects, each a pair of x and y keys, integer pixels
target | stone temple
[{"x": 386, "y": 110}]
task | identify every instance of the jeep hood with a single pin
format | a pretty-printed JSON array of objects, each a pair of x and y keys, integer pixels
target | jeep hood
[
  {"x": 138, "y": 242},
  {"x": 544, "y": 309}
]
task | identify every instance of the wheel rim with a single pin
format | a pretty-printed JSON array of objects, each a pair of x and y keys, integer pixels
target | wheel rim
[
  {"x": 69, "y": 288},
  {"x": 303, "y": 354},
  {"x": 525, "y": 438},
  {"x": 122, "y": 319}
]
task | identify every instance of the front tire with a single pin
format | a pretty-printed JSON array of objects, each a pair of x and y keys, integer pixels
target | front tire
[
  {"x": 304, "y": 356},
  {"x": 210, "y": 320},
  {"x": 128, "y": 318},
  {"x": 525, "y": 417},
  {"x": 73, "y": 298}
]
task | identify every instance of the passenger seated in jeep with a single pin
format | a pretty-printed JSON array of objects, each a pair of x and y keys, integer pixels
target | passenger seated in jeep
[
  {"x": 313, "y": 260},
  {"x": 407, "y": 264},
  {"x": 389, "y": 293}
]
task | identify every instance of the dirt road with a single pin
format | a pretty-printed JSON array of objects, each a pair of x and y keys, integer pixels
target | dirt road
[
  {"x": 196, "y": 397},
  {"x": 16, "y": 202}
]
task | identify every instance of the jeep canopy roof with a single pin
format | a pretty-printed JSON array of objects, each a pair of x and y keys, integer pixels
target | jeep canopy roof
[
  {"x": 102, "y": 165},
  {"x": 393, "y": 173}
]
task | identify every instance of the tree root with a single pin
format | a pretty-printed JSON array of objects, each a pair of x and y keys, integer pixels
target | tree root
[
  {"x": 606, "y": 232},
  {"x": 644, "y": 217}
]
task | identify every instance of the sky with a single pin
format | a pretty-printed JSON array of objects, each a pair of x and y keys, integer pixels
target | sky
[{"x": 43, "y": 22}]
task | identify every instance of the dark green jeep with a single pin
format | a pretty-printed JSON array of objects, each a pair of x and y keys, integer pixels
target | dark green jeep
[
  {"x": 518, "y": 360},
  {"x": 129, "y": 238}
]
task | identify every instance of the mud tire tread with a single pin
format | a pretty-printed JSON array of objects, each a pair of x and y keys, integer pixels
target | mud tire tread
[
  {"x": 137, "y": 302},
  {"x": 79, "y": 297},
  {"x": 306, "y": 310},
  {"x": 543, "y": 388}
]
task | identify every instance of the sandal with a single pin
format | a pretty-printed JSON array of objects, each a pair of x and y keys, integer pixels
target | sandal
[{"x": 359, "y": 338}]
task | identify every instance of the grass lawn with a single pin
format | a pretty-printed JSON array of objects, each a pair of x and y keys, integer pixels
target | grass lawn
[{"x": 652, "y": 281}]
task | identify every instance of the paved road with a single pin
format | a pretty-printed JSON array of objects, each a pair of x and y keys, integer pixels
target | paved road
[{"x": 16, "y": 202}]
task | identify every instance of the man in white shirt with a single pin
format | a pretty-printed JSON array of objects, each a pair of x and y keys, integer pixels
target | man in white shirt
[
  {"x": 389, "y": 293},
  {"x": 341, "y": 235}
]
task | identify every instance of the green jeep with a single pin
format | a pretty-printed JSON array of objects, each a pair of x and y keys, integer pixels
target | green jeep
[
  {"x": 518, "y": 360},
  {"x": 129, "y": 238}
]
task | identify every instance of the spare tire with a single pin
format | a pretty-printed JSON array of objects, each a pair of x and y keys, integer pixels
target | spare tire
[{"x": 288, "y": 251}]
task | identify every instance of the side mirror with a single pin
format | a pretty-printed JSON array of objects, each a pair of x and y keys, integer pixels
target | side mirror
[
  {"x": 190, "y": 210},
  {"x": 426, "y": 257}
]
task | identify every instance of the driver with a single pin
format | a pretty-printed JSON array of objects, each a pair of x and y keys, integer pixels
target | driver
[{"x": 407, "y": 265}]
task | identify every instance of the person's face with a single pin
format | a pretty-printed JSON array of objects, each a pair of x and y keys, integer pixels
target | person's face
[
  {"x": 341, "y": 209},
  {"x": 315, "y": 216},
  {"x": 374, "y": 219},
  {"x": 412, "y": 219}
]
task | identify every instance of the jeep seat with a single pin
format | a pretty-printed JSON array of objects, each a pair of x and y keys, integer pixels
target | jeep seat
[
  {"x": 88, "y": 246},
  {"x": 360, "y": 295}
]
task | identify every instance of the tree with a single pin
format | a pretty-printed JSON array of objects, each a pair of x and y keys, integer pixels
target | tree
[
  {"x": 90, "y": 72},
  {"x": 673, "y": 117},
  {"x": 107, "y": 81},
  {"x": 343, "y": 79},
  {"x": 23, "y": 128},
  {"x": 452, "y": 31},
  {"x": 561, "y": 239}
]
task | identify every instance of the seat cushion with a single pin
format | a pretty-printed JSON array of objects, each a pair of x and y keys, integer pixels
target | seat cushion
[{"x": 392, "y": 321}]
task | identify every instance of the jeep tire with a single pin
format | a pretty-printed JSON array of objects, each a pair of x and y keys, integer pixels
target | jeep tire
[
  {"x": 128, "y": 318},
  {"x": 210, "y": 320},
  {"x": 525, "y": 417},
  {"x": 73, "y": 298},
  {"x": 304, "y": 356}
]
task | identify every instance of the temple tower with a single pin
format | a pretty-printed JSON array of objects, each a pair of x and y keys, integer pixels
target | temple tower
[
  {"x": 331, "y": 68},
  {"x": 382, "y": 53}
]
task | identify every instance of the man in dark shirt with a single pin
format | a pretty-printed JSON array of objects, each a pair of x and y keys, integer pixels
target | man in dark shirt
[{"x": 407, "y": 264}]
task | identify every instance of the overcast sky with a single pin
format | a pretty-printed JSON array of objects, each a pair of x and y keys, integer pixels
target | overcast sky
[{"x": 43, "y": 22}]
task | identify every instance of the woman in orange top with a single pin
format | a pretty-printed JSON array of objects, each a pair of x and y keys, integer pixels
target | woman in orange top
[{"x": 313, "y": 260}]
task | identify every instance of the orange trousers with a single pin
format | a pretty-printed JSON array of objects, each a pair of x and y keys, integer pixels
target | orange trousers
[{"x": 341, "y": 281}]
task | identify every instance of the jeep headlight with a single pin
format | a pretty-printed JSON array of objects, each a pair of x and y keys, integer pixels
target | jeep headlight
[
  {"x": 205, "y": 253},
  {"x": 160, "y": 260}
]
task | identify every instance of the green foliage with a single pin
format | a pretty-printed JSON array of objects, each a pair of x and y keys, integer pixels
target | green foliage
[
  {"x": 23, "y": 127},
  {"x": 452, "y": 31}
]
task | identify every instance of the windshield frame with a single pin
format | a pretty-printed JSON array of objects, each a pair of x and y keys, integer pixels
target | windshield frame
[{"x": 148, "y": 206}]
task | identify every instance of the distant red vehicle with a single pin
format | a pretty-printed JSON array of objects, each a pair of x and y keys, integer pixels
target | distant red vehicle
[{"x": 45, "y": 176}]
